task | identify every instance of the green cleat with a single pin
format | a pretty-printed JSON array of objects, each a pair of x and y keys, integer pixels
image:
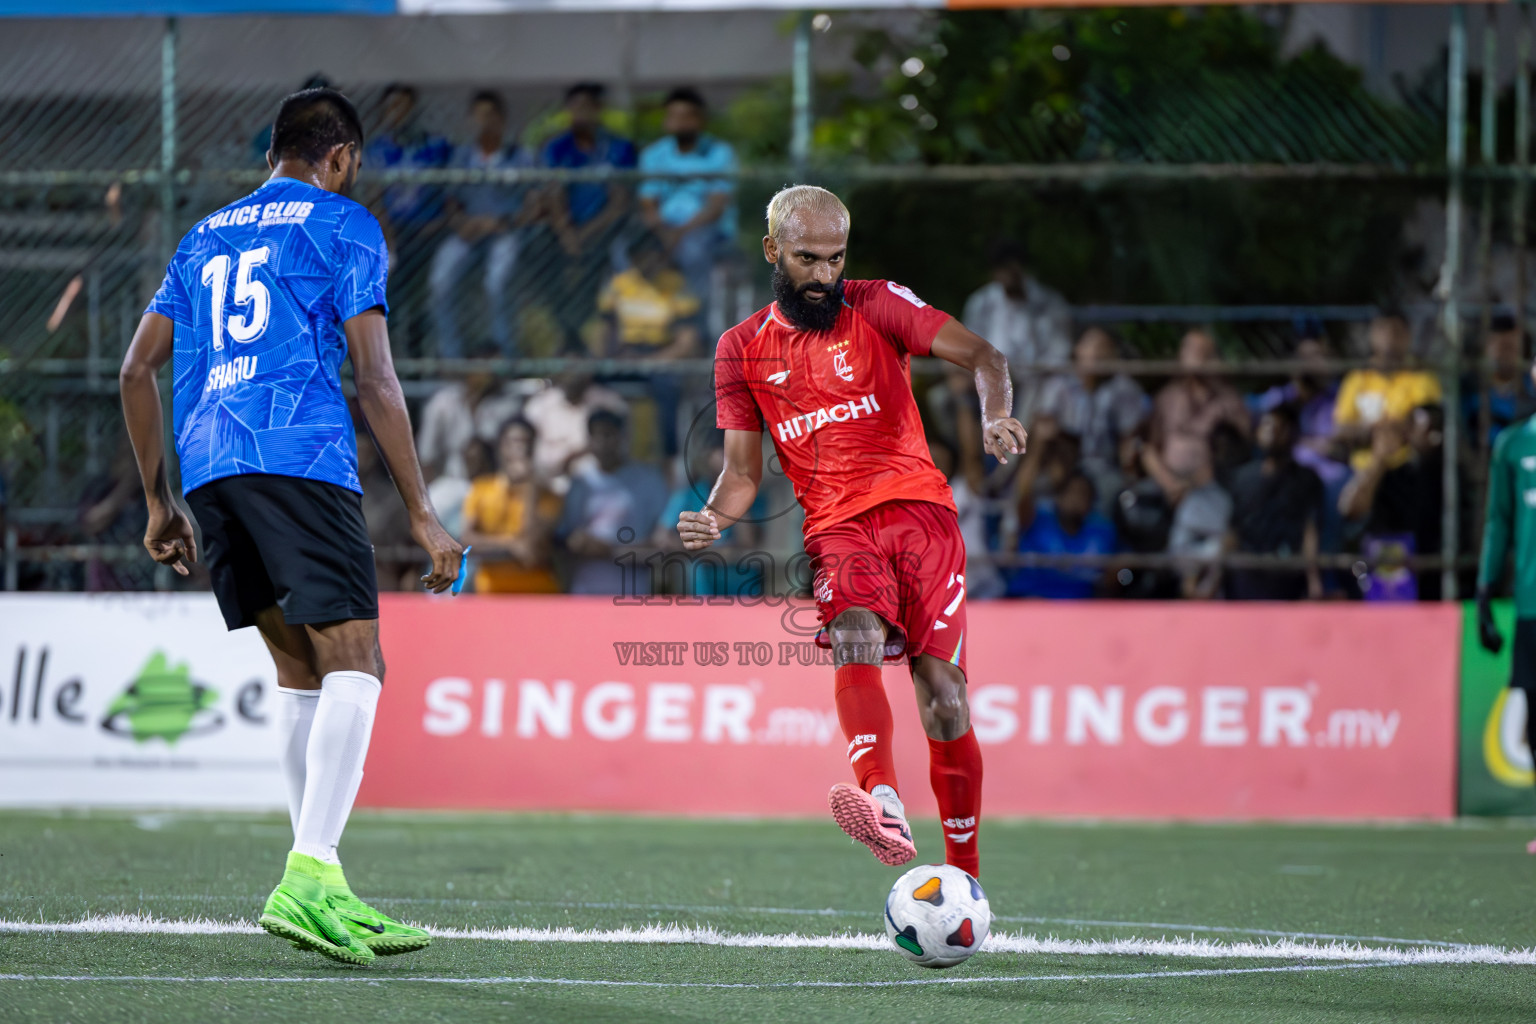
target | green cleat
[
  {"x": 298, "y": 911},
  {"x": 379, "y": 932}
]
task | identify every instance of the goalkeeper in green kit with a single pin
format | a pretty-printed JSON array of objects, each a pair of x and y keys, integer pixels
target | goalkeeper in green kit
[{"x": 1511, "y": 518}]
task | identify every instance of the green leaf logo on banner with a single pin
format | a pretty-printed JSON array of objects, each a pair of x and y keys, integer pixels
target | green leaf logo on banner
[{"x": 163, "y": 701}]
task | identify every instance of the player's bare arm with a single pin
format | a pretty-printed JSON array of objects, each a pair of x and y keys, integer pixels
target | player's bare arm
[
  {"x": 383, "y": 408},
  {"x": 1001, "y": 434},
  {"x": 168, "y": 538},
  {"x": 732, "y": 494}
]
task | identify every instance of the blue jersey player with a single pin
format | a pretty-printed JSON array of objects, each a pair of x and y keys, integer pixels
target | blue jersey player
[{"x": 261, "y": 304}]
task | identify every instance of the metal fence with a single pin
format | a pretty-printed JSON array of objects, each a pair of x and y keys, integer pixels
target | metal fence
[{"x": 97, "y": 183}]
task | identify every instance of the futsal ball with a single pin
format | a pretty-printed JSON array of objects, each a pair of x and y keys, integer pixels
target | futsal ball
[{"x": 937, "y": 915}]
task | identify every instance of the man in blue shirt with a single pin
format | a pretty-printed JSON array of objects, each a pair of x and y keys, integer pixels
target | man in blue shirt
[
  {"x": 1507, "y": 379},
  {"x": 402, "y": 143},
  {"x": 694, "y": 217},
  {"x": 610, "y": 505},
  {"x": 411, "y": 215},
  {"x": 483, "y": 220},
  {"x": 1064, "y": 524},
  {"x": 261, "y": 303},
  {"x": 586, "y": 216}
]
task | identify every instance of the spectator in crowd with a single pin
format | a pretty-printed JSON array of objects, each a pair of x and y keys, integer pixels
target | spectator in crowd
[
  {"x": 112, "y": 512},
  {"x": 448, "y": 491},
  {"x": 509, "y": 517},
  {"x": 1067, "y": 523},
  {"x": 1202, "y": 514},
  {"x": 1314, "y": 396},
  {"x": 979, "y": 513},
  {"x": 483, "y": 220},
  {"x": 694, "y": 217},
  {"x": 1060, "y": 456},
  {"x": 1028, "y": 322},
  {"x": 1387, "y": 390},
  {"x": 651, "y": 315},
  {"x": 1099, "y": 408},
  {"x": 1277, "y": 508},
  {"x": 1507, "y": 378},
  {"x": 952, "y": 407},
  {"x": 649, "y": 308},
  {"x": 1186, "y": 412},
  {"x": 411, "y": 215},
  {"x": 1143, "y": 518},
  {"x": 610, "y": 504},
  {"x": 389, "y": 524},
  {"x": 1398, "y": 496},
  {"x": 587, "y": 215},
  {"x": 457, "y": 413},
  {"x": 559, "y": 414},
  {"x": 741, "y": 575},
  {"x": 400, "y": 142}
]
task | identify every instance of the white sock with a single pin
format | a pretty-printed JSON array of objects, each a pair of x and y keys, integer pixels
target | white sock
[
  {"x": 338, "y": 745},
  {"x": 295, "y": 713}
]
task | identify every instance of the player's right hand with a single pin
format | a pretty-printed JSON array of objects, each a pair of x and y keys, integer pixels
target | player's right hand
[
  {"x": 1002, "y": 437},
  {"x": 169, "y": 538},
  {"x": 445, "y": 551},
  {"x": 1487, "y": 630},
  {"x": 698, "y": 529}
]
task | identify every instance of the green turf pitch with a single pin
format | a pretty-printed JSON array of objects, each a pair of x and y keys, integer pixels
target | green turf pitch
[{"x": 1464, "y": 884}]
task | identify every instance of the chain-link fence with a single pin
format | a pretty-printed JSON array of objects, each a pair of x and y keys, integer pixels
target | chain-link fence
[{"x": 1284, "y": 223}]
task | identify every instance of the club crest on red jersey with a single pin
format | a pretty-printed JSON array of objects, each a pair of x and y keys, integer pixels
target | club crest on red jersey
[
  {"x": 823, "y": 587},
  {"x": 840, "y": 364}
]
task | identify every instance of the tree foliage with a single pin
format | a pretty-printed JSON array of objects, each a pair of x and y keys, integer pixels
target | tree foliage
[{"x": 1138, "y": 85}]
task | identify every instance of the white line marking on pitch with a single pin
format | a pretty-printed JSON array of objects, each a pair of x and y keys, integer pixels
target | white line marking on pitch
[
  {"x": 1224, "y": 930},
  {"x": 999, "y": 942},
  {"x": 607, "y": 983},
  {"x": 691, "y": 908}
]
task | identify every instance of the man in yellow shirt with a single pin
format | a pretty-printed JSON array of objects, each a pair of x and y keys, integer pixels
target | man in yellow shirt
[
  {"x": 509, "y": 517},
  {"x": 652, "y": 315},
  {"x": 1389, "y": 389},
  {"x": 650, "y": 307}
]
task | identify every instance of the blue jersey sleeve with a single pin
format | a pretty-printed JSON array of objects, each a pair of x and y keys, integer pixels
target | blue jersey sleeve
[
  {"x": 361, "y": 264},
  {"x": 171, "y": 300}
]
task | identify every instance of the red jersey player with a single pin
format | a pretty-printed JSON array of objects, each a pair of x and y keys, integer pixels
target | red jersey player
[{"x": 827, "y": 369}]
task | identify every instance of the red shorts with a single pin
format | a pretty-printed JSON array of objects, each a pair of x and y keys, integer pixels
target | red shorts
[{"x": 904, "y": 561}]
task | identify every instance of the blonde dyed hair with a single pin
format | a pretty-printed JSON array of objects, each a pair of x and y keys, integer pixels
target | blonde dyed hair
[{"x": 789, "y": 203}]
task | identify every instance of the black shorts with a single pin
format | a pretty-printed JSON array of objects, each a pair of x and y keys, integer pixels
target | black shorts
[
  {"x": 299, "y": 544},
  {"x": 1522, "y": 668}
]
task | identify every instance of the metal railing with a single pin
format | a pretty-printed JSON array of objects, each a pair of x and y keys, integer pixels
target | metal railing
[{"x": 82, "y": 246}]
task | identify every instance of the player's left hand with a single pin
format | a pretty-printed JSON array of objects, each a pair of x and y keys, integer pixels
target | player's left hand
[
  {"x": 1002, "y": 437},
  {"x": 169, "y": 538},
  {"x": 445, "y": 551},
  {"x": 1487, "y": 629}
]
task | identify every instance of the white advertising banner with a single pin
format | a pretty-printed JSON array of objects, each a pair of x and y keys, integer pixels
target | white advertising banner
[{"x": 140, "y": 700}]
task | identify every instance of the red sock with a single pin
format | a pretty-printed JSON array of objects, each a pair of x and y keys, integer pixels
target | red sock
[
  {"x": 954, "y": 769},
  {"x": 865, "y": 716}
]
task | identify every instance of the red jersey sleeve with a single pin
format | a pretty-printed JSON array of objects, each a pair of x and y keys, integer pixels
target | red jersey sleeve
[
  {"x": 735, "y": 408},
  {"x": 897, "y": 313}
]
